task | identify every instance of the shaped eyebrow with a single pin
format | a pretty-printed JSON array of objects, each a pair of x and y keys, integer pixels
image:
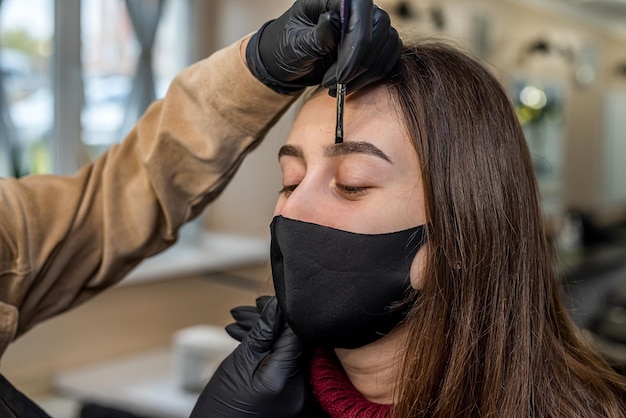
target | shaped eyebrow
[
  {"x": 336, "y": 150},
  {"x": 290, "y": 151},
  {"x": 355, "y": 147}
]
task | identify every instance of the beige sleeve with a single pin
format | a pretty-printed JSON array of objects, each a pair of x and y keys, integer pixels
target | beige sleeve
[{"x": 63, "y": 239}]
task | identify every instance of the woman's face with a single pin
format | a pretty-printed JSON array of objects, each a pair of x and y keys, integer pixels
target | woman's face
[{"x": 369, "y": 184}]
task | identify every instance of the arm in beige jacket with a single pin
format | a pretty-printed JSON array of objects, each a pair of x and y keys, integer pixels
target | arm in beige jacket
[{"x": 64, "y": 239}]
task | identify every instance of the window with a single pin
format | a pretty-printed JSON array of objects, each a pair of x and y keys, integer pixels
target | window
[
  {"x": 68, "y": 100},
  {"x": 110, "y": 55},
  {"x": 26, "y": 31}
]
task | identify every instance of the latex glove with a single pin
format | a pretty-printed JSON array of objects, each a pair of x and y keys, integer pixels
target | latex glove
[
  {"x": 302, "y": 47},
  {"x": 246, "y": 317},
  {"x": 263, "y": 377}
]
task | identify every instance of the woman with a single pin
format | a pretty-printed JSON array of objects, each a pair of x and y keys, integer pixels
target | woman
[{"x": 433, "y": 156}]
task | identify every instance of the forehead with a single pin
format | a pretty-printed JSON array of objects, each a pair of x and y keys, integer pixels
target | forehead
[
  {"x": 363, "y": 105},
  {"x": 370, "y": 115}
]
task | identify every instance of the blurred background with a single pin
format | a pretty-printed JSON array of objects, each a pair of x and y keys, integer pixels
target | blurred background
[{"x": 76, "y": 74}]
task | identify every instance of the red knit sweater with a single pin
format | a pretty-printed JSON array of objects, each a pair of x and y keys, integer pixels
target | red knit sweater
[{"x": 336, "y": 395}]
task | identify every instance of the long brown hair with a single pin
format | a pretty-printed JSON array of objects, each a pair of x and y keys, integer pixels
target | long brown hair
[{"x": 489, "y": 336}]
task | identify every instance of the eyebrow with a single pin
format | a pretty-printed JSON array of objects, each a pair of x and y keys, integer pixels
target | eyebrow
[
  {"x": 335, "y": 150},
  {"x": 290, "y": 151}
]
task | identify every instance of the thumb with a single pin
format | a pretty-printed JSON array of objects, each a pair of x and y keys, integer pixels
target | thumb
[
  {"x": 284, "y": 362},
  {"x": 263, "y": 335}
]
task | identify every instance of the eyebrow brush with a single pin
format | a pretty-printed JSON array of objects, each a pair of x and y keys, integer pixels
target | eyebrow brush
[
  {"x": 341, "y": 98},
  {"x": 344, "y": 15}
]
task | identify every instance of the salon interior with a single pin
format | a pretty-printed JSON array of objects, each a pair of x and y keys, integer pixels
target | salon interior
[{"x": 74, "y": 81}]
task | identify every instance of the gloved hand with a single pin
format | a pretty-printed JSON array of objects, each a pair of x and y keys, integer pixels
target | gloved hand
[
  {"x": 246, "y": 317},
  {"x": 263, "y": 377},
  {"x": 302, "y": 47}
]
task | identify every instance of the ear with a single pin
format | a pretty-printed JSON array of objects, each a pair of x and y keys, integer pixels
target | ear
[{"x": 418, "y": 267}]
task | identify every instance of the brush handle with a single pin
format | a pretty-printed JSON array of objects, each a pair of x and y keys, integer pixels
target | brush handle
[{"x": 344, "y": 15}]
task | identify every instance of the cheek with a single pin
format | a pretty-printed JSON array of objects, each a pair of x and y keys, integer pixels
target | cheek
[
  {"x": 418, "y": 268},
  {"x": 279, "y": 204}
]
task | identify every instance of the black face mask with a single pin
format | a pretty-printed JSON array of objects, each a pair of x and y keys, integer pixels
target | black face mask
[{"x": 339, "y": 288}]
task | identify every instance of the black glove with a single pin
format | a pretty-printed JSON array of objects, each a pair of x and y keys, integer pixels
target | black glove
[
  {"x": 246, "y": 317},
  {"x": 302, "y": 47},
  {"x": 262, "y": 378}
]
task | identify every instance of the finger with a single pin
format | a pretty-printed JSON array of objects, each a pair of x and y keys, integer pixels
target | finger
[
  {"x": 261, "y": 301},
  {"x": 355, "y": 44},
  {"x": 236, "y": 331},
  {"x": 385, "y": 63},
  {"x": 327, "y": 33},
  {"x": 246, "y": 318},
  {"x": 262, "y": 336},
  {"x": 283, "y": 363},
  {"x": 245, "y": 315},
  {"x": 287, "y": 350},
  {"x": 352, "y": 60},
  {"x": 386, "y": 49}
]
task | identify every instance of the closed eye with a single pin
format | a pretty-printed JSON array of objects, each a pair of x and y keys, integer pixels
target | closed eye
[
  {"x": 351, "y": 191},
  {"x": 287, "y": 190}
]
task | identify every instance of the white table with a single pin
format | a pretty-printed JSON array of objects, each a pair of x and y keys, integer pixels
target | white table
[
  {"x": 142, "y": 384},
  {"x": 145, "y": 383}
]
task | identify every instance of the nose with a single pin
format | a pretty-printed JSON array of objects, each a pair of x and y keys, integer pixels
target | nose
[{"x": 305, "y": 203}]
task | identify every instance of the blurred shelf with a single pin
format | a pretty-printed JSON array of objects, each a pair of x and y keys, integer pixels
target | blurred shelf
[
  {"x": 591, "y": 263},
  {"x": 205, "y": 252}
]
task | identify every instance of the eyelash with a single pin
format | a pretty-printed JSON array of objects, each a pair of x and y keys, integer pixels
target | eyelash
[
  {"x": 287, "y": 190},
  {"x": 352, "y": 191}
]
